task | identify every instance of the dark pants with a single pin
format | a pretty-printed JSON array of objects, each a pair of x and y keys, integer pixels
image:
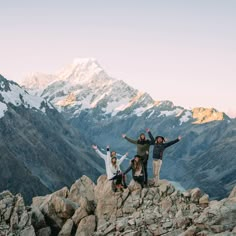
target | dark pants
[
  {"x": 145, "y": 163},
  {"x": 139, "y": 179},
  {"x": 117, "y": 180}
]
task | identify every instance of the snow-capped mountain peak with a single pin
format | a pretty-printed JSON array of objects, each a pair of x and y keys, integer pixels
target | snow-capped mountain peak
[
  {"x": 82, "y": 70},
  {"x": 84, "y": 85},
  {"x": 12, "y": 94},
  {"x": 37, "y": 82}
]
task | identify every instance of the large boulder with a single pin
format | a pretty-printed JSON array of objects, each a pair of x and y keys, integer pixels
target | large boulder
[
  {"x": 14, "y": 216},
  {"x": 82, "y": 188},
  {"x": 67, "y": 228},
  {"x": 87, "y": 226},
  {"x": 222, "y": 213}
]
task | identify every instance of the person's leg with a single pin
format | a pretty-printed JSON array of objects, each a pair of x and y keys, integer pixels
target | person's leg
[
  {"x": 140, "y": 180},
  {"x": 124, "y": 181},
  {"x": 145, "y": 163},
  {"x": 118, "y": 179},
  {"x": 113, "y": 186},
  {"x": 159, "y": 163},
  {"x": 156, "y": 170},
  {"x": 145, "y": 173},
  {"x": 119, "y": 182}
]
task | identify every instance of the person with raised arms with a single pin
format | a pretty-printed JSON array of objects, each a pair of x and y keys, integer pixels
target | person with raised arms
[
  {"x": 112, "y": 164},
  {"x": 143, "y": 146}
]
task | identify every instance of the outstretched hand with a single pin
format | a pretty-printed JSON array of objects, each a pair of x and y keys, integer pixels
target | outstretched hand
[
  {"x": 108, "y": 146},
  {"x": 94, "y": 147},
  {"x": 179, "y": 138},
  {"x": 126, "y": 153},
  {"x": 123, "y": 135},
  {"x": 147, "y": 130}
]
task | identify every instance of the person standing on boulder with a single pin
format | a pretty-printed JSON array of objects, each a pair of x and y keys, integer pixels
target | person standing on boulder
[
  {"x": 159, "y": 146},
  {"x": 143, "y": 146},
  {"x": 112, "y": 164},
  {"x": 137, "y": 167}
]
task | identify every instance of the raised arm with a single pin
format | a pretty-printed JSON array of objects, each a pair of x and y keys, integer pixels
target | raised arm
[
  {"x": 123, "y": 158},
  {"x": 150, "y": 136},
  {"x": 172, "y": 142},
  {"x": 129, "y": 139},
  {"x": 103, "y": 156},
  {"x": 108, "y": 156}
]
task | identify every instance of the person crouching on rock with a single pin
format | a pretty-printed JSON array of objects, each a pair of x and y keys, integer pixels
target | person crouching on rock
[
  {"x": 158, "y": 150},
  {"x": 113, "y": 170},
  {"x": 137, "y": 168}
]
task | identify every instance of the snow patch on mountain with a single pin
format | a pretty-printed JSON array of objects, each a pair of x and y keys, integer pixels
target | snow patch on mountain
[
  {"x": 15, "y": 95},
  {"x": 116, "y": 106},
  {"x": 170, "y": 113},
  {"x": 139, "y": 111},
  {"x": 3, "y": 109},
  {"x": 152, "y": 112},
  {"x": 185, "y": 117}
]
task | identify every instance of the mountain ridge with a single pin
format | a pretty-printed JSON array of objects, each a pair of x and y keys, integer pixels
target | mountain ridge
[{"x": 86, "y": 76}]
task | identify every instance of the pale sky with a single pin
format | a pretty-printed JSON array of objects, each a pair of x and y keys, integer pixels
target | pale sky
[{"x": 183, "y": 51}]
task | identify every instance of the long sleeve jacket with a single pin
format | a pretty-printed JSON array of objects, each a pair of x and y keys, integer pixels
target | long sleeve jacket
[
  {"x": 142, "y": 146},
  {"x": 159, "y": 148},
  {"x": 131, "y": 167},
  {"x": 110, "y": 170}
]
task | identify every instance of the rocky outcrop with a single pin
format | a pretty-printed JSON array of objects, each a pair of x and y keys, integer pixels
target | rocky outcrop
[
  {"x": 205, "y": 115},
  {"x": 15, "y": 216},
  {"x": 89, "y": 209}
]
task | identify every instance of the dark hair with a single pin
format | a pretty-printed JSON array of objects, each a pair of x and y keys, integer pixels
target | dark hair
[
  {"x": 137, "y": 156},
  {"x": 163, "y": 139}
]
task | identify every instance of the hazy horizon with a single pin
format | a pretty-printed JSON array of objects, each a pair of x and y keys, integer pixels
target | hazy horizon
[{"x": 182, "y": 51}]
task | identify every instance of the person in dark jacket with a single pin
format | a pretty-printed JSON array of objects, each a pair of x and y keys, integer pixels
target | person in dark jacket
[
  {"x": 159, "y": 146},
  {"x": 137, "y": 167},
  {"x": 143, "y": 146}
]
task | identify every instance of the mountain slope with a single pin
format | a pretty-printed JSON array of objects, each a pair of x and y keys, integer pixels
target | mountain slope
[
  {"x": 103, "y": 108},
  {"x": 34, "y": 136}
]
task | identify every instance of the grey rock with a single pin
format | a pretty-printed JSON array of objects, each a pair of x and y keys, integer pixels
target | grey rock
[
  {"x": 196, "y": 194},
  {"x": 37, "y": 218},
  {"x": 67, "y": 228},
  {"x": 84, "y": 187},
  {"x": 86, "y": 226},
  {"x": 44, "y": 232},
  {"x": 28, "y": 231},
  {"x": 79, "y": 214}
]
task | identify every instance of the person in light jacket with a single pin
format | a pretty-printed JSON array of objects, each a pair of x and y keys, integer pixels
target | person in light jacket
[{"x": 112, "y": 164}]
